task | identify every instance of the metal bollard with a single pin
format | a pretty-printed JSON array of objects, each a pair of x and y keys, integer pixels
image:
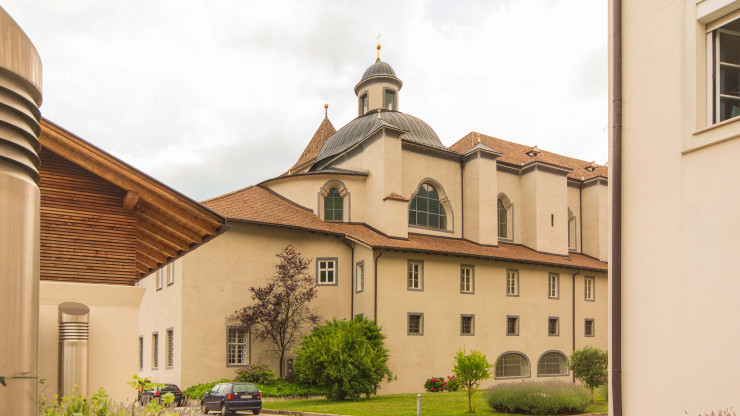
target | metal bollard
[{"x": 418, "y": 404}]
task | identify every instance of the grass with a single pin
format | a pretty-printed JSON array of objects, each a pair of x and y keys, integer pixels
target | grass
[{"x": 433, "y": 404}]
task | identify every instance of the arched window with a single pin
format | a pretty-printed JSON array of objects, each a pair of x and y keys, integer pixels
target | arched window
[
  {"x": 512, "y": 364},
  {"x": 333, "y": 205},
  {"x": 503, "y": 223},
  {"x": 426, "y": 208},
  {"x": 552, "y": 363}
]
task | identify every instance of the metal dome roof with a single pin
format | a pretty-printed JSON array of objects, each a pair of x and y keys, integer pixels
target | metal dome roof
[
  {"x": 379, "y": 68},
  {"x": 358, "y": 129}
]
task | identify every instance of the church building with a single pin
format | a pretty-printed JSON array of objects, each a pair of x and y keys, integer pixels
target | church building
[{"x": 486, "y": 244}]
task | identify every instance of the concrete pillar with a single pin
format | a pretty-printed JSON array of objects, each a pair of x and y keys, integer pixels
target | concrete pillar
[{"x": 20, "y": 97}]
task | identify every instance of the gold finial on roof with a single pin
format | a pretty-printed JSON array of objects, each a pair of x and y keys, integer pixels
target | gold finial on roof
[
  {"x": 378, "y": 47},
  {"x": 378, "y": 113},
  {"x": 326, "y": 110},
  {"x": 478, "y": 137}
]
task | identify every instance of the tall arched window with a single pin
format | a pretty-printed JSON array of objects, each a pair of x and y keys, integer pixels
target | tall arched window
[
  {"x": 503, "y": 224},
  {"x": 552, "y": 363},
  {"x": 512, "y": 364},
  {"x": 426, "y": 208},
  {"x": 333, "y": 205}
]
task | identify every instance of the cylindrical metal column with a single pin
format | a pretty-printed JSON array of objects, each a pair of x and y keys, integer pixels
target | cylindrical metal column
[
  {"x": 74, "y": 325},
  {"x": 20, "y": 96}
]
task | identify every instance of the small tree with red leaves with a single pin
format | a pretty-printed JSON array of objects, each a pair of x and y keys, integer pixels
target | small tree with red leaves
[{"x": 281, "y": 311}]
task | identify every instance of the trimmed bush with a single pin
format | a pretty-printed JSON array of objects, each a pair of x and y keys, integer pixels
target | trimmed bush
[
  {"x": 538, "y": 398},
  {"x": 435, "y": 385},
  {"x": 255, "y": 373},
  {"x": 199, "y": 390},
  {"x": 276, "y": 388}
]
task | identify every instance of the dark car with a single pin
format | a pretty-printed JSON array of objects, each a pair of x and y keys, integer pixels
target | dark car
[
  {"x": 230, "y": 397},
  {"x": 157, "y": 392}
]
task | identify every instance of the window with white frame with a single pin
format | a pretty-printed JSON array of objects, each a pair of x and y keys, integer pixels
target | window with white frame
[
  {"x": 512, "y": 282},
  {"x": 415, "y": 323},
  {"x": 415, "y": 279},
  {"x": 723, "y": 69},
  {"x": 170, "y": 348},
  {"x": 553, "y": 285},
  {"x": 466, "y": 279},
  {"x": 237, "y": 346},
  {"x": 588, "y": 289},
  {"x": 155, "y": 350},
  {"x": 360, "y": 276},
  {"x": 588, "y": 328},
  {"x": 158, "y": 276},
  {"x": 326, "y": 271},
  {"x": 170, "y": 274}
]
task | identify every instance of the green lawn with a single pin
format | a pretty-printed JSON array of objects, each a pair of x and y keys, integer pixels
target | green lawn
[{"x": 437, "y": 404}]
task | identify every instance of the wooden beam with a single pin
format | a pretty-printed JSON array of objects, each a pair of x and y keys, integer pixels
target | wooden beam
[
  {"x": 130, "y": 200},
  {"x": 146, "y": 260},
  {"x": 153, "y": 214},
  {"x": 151, "y": 253},
  {"x": 141, "y": 266},
  {"x": 156, "y": 246},
  {"x": 155, "y": 236},
  {"x": 175, "y": 240}
]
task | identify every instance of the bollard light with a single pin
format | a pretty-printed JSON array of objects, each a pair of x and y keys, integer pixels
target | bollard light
[{"x": 418, "y": 404}]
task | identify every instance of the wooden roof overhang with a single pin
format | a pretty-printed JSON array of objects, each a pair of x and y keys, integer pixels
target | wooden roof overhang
[{"x": 169, "y": 224}]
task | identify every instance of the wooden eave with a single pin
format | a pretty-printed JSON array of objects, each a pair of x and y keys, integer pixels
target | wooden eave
[{"x": 169, "y": 224}]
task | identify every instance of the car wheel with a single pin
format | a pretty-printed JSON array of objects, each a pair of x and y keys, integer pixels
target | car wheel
[
  {"x": 256, "y": 411},
  {"x": 203, "y": 408},
  {"x": 224, "y": 411}
]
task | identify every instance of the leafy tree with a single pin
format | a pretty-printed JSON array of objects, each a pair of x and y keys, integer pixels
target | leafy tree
[
  {"x": 280, "y": 312},
  {"x": 590, "y": 365},
  {"x": 346, "y": 357},
  {"x": 470, "y": 370}
]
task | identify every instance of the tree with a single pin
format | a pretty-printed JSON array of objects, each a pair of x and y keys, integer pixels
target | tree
[
  {"x": 590, "y": 365},
  {"x": 281, "y": 311},
  {"x": 346, "y": 357},
  {"x": 470, "y": 370}
]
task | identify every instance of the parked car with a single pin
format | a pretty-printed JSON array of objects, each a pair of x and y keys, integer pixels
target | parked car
[
  {"x": 230, "y": 397},
  {"x": 157, "y": 392}
]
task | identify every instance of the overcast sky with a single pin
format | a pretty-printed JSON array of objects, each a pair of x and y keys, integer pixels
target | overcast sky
[{"x": 212, "y": 96}]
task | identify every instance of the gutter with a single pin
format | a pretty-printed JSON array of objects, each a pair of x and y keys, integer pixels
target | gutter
[
  {"x": 573, "y": 316},
  {"x": 616, "y": 177}
]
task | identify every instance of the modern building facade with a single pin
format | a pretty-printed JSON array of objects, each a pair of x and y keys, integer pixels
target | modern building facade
[
  {"x": 675, "y": 73},
  {"x": 486, "y": 245}
]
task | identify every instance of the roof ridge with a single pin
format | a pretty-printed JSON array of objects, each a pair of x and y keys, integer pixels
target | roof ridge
[{"x": 297, "y": 205}]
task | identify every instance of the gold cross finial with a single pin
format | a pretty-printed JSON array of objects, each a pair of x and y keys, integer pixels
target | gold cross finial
[
  {"x": 478, "y": 137},
  {"x": 378, "y": 113},
  {"x": 378, "y": 47},
  {"x": 326, "y": 110}
]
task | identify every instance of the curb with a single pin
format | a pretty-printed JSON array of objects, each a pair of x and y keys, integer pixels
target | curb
[{"x": 295, "y": 413}]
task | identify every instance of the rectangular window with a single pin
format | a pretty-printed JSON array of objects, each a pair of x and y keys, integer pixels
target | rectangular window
[
  {"x": 360, "y": 276},
  {"x": 512, "y": 282},
  {"x": 553, "y": 326},
  {"x": 467, "y": 283},
  {"x": 170, "y": 348},
  {"x": 723, "y": 52},
  {"x": 467, "y": 324},
  {"x": 589, "y": 327},
  {"x": 390, "y": 100},
  {"x": 326, "y": 271},
  {"x": 237, "y": 346},
  {"x": 158, "y": 278},
  {"x": 415, "y": 323},
  {"x": 363, "y": 104},
  {"x": 170, "y": 274},
  {"x": 589, "y": 292},
  {"x": 512, "y": 325},
  {"x": 415, "y": 275},
  {"x": 141, "y": 353},
  {"x": 155, "y": 350},
  {"x": 553, "y": 285}
]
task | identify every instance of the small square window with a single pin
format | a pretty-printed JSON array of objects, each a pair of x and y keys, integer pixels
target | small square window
[
  {"x": 467, "y": 324},
  {"x": 512, "y": 325},
  {"x": 553, "y": 286},
  {"x": 360, "y": 276},
  {"x": 589, "y": 289},
  {"x": 512, "y": 282},
  {"x": 326, "y": 271},
  {"x": 159, "y": 277},
  {"x": 467, "y": 283},
  {"x": 415, "y": 323},
  {"x": 415, "y": 279},
  {"x": 553, "y": 326},
  {"x": 589, "y": 329}
]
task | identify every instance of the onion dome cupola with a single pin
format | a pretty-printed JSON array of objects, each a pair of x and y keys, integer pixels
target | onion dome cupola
[{"x": 378, "y": 88}]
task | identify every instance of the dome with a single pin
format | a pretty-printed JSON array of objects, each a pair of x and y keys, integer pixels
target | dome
[
  {"x": 356, "y": 130},
  {"x": 379, "y": 68}
]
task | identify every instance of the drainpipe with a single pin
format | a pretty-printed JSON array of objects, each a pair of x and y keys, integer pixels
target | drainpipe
[
  {"x": 462, "y": 197},
  {"x": 20, "y": 77},
  {"x": 375, "y": 282},
  {"x": 616, "y": 181},
  {"x": 352, "y": 282},
  {"x": 573, "y": 315}
]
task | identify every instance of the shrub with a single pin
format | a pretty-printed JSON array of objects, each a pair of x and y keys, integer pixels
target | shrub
[
  {"x": 453, "y": 383},
  {"x": 255, "y": 373},
  {"x": 590, "y": 365},
  {"x": 347, "y": 358},
  {"x": 276, "y": 388},
  {"x": 538, "y": 398},
  {"x": 199, "y": 390},
  {"x": 435, "y": 385}
]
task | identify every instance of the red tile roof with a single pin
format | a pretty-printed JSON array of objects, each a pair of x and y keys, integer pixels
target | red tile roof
[
  {"x": 325, "y": 130},
  {"x": 260, "y": 205},
  {"x": 516, "y": 154},
  {"x": 395, "y": 197}
]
